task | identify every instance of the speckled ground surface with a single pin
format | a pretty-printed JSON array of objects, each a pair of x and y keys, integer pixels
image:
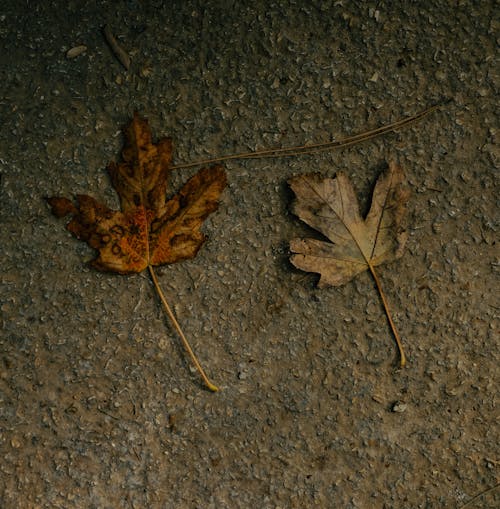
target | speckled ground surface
[{"x": 98, "y": 405}]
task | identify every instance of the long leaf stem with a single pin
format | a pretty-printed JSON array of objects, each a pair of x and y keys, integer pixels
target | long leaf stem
[
  {"x": 177, "y": 327},
  {"x": 402, "y": 356},
  {"x": 316, "y": 147}
]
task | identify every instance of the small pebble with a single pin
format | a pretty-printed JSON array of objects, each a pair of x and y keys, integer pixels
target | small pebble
[
  {"x": 437, "y": 226},
  {"x": 76, "y": 51},
  {"x": 399, "y": 407},
  {"x": 440, "y": 75}
]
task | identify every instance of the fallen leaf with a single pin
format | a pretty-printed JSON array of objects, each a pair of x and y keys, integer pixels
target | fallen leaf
[
  {"x": 148, "y": 230},
  {"x": 330, "y": 206}
]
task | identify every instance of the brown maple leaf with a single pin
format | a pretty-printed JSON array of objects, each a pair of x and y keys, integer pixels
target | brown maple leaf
[
  {"x": 330, "y": 206},
  {"x": 148, "y": 230}
]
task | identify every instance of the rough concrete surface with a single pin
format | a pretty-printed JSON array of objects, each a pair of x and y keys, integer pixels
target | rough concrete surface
[{"x": 99, "y": 406}]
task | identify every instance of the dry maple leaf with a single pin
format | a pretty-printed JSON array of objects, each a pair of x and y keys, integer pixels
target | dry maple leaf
[
  {"x": 330, "y": 206},
  {"x": 148, "y": 230}
]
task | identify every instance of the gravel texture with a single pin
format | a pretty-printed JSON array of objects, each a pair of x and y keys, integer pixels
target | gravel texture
[{"x": 99, "y": 407}]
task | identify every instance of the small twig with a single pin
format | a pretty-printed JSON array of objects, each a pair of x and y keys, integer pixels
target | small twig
[
  {"x": 177, "y": 327},
  {"x": 317, "y": 147},
  {"x": 119, "y": 52},
  {"x": 479, "y": 495}
]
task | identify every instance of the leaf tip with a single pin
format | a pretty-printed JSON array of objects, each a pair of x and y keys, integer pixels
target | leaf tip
[{"x": 61, "y": 206}]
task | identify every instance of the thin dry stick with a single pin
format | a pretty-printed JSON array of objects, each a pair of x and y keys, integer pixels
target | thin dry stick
[
  {"x": 402, "y": 356},
  {"x": 119, "y": 52},
  {"x": 317, "y": 147},
  {"x": 177, "y": 327},
  {"x": 479, "y": 495}
]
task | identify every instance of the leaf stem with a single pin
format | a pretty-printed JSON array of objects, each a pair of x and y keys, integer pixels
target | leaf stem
[
  {"x": 177, "y": 327},
  {"x": 402, "y": 356},
  {"x": 316, "y": 147}
]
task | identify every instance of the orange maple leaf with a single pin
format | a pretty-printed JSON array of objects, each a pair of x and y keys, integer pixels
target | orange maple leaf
[{"x": 148, "y": 230}]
